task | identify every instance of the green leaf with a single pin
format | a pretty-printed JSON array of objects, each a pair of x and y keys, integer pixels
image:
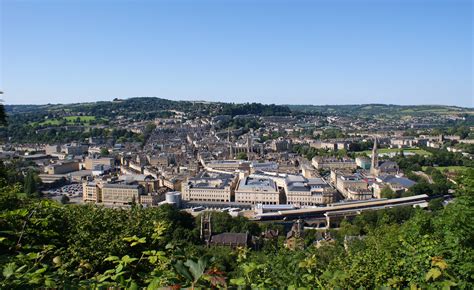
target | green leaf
[
  {"x": 109, "y": 272},
  {"x": 183, "y": 271},
  {"x": 133, "y": 286},
  {"x": 119, "y": 268},
  {"x": 21, "y": 268},
  {"x": 135, "y": 240},
  {"x": 159, "y": 230},
  {"x": 127, "y": 260},
  {"x": 9, "y": 269},
  {"x": 49, "y": 283},
  {"x": 238, "y": 281},
  {"x": 196, "y": 269},
  {"x": 150, "y": 252},
  {"x": 42, "y": 270},
  {"x": 111, "y": 258},
  {"x": 249, "y": 267},
  {"x": 32, "y": 256},
  {"x": 103, "y": 278},
  {"x": 433, "y": 274},
  {"x": 118, "y": 275},
  {"x": 154, "y": 284}
]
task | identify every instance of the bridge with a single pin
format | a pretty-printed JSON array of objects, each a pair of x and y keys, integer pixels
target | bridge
[{"x": 331, "y": 215}]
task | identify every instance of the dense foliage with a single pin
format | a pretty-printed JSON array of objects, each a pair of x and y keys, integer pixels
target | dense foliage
[
  {"x": 46, "y": 244},
  {"x": 310, "y": 152},
  {"x": 437, "y": 158},
  {"x": 21, "y": 133},
  {"x": 255, "y": 109}
]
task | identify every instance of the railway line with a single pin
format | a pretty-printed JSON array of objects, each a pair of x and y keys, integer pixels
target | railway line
[{"x": 346, "y": 209}]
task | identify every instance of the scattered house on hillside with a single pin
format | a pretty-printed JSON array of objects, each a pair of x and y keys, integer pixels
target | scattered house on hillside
[{"x": 295, "y": 237}]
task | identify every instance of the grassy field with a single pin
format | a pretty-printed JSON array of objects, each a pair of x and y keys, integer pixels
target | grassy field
[
  {"x": 390, "y": 150},
  {"x": 84, "y": 119},
  {"x": 70, "y": 120},
  {"x": 449, "y": 168}
]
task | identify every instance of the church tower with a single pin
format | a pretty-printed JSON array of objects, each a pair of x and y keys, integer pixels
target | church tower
[
  {"x": 229, "y": 140},
  {"x": 206, "y": 227}
]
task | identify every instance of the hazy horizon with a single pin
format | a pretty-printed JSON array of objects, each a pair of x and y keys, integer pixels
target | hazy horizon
[{"x": 283, "y": 52}]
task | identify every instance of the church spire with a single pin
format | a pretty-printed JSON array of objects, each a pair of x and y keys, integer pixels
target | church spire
[{"x": 375, "y": 160}]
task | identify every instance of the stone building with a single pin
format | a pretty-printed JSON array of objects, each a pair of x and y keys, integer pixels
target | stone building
[
  {"x": 257, "y": 190},
  {"x": 209, "y": 187},
  {"x": 333, "y": 163}
]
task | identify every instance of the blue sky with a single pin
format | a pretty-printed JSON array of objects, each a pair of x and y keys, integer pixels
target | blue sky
[{"x": 298, "y": 52}]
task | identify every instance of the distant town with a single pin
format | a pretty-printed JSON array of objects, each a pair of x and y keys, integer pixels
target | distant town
[
  {"x": 212, "y": 156},
  {"x": 146, "y": 191}
]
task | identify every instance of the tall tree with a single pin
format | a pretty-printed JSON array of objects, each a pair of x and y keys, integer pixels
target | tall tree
[
  {"x": 3, "y": 115},
  {"x": 387, "y": 192},
  {"x": 242, "y": 156},
  {"x": 30, "y": 183},
  {"x": 104, "y": 152}
]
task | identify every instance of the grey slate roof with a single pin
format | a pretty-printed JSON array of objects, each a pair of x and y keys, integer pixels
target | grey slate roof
[
  {"x": 230, "y": 238},
  {"x": 405, "y": 182}
]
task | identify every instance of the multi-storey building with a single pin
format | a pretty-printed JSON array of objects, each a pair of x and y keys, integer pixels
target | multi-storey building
[
  {"x": 257, "y": 190},
  {"x": 148, "y": 182},
  {"x": 74, "y": 149},
  {"x": 281, "y": 145},
  {"x": 62, "y": 167},
  {"x": 300, "y": 190},
  {"x": 331, "y": 145},
  {"x": 121, "y": 194},
  {"x": 90, "y": 163},
  {"x": 309, "y": 171},
  {"x": 333, "y": 163},
  {"x": 363, "y": 162},
  {"x": 173, "y": 183},
  {"x": 163, "y": 159},
  {"x": 351, "y": 186},
  {"x": 309, "y": 192},
  {"x": 358, "y": 193},
  {"x": 150, "y": 199},
  {"x": 228, "y": 165},
  {"x": 263, "y": 166},
  {"x": 210, "y": 187},
  {"x": 51, "y": 149},
  {"x": 91, "y": 192}
]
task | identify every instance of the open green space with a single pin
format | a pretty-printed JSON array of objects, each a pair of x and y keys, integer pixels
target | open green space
[
  {"x": 81, "y": 118},
  {"x": 459, "y": 169},
  {"x": 390, "y": 150},
  {"x": 70, "y": 120}
]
